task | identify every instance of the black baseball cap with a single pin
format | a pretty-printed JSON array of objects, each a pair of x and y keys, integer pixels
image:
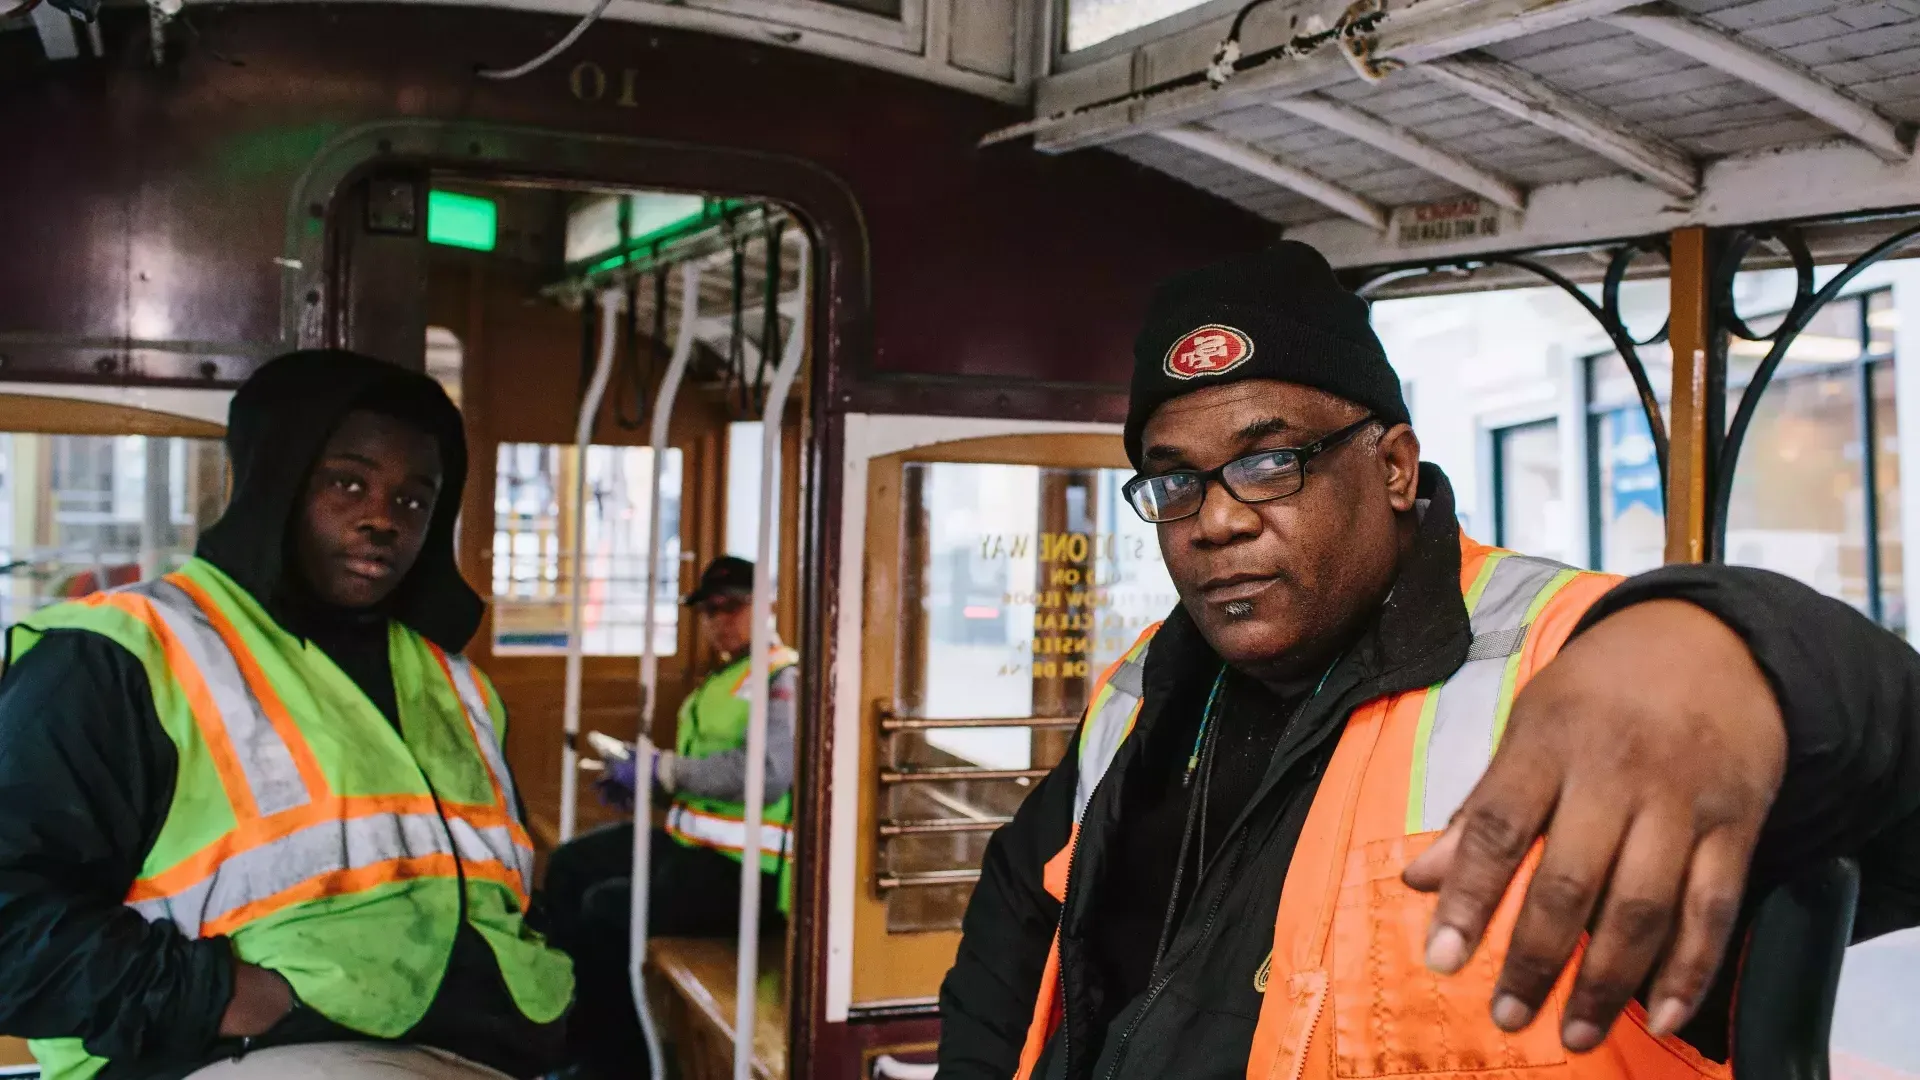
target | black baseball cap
[{"x": 727, "y": 575}]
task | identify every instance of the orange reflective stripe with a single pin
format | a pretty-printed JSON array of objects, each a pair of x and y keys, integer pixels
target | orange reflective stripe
[
  {"x": 473, "y": 726},
  {"x": 260, "y": 832},
  {"x": 1055, "y": 874},
  {"x": 336, "y": 883},
  {"x": 261, "y": 688},
  {"x": 1046, "y": 1013},
  {"x": 193, "y": 683},
  {"x": 500, "y": 813}
]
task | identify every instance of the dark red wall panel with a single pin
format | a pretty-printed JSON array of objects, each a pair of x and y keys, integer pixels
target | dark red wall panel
[{"x": 152, "y": 203}]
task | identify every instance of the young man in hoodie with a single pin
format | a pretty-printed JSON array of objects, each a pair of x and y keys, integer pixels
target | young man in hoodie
[{"x": 255, "y": 817}]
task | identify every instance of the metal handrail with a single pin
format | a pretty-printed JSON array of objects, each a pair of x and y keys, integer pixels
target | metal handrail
[
  {"x": 747, "y": 975},
  {"x": 889, "y": 723},
  {"x": 947, "y": 773},
  {"x": 639, "y": 899},
  {"x": 941, "y": 826},
  {"x": 609, "y": 301},
  {"x": 927, "y": 878}
]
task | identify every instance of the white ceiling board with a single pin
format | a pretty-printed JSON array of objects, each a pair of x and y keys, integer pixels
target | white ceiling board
[
  {"x": 1573, "y": 35},
  {"x": 1787, "y": 131},
  {"x": 1270, "y": 201}
]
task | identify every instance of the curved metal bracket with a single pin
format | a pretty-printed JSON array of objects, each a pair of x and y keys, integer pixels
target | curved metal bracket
[
  {"x": 1606, "y": 313},
  {"x": 1806, "y": 305}
]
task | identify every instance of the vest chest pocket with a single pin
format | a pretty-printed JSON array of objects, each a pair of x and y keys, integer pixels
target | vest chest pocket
[{"x": 1392, "y": 1016}]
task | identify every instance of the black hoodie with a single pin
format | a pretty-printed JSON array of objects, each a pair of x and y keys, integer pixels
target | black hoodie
[{"x": 87, "y": 773}]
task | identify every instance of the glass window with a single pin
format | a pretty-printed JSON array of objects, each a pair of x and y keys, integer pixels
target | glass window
[
  {"x": 1808, "y": 499},
  {"x": 1886, "y": 483},
  {"x": 1629, "y": 512},
  {"x": 1797, "y": 494},
  {"x": 1090, "y": 22},
  {"x": 1882, "y": 321},
  {"x": 80, "y": 513},
  {"x": 1529, "y": 510},
  {"x": 533, "y": 523},
  {"x": 743, "y": 491},
  {"x": 1020, "y": 585},
  {"x": 1873, "y": 1030}
]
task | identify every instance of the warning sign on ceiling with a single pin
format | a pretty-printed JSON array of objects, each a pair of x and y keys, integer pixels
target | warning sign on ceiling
[{"x": 1449, "y": 221}]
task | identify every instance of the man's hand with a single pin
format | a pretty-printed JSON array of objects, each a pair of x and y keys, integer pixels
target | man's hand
[
  {"x": 1648, "y": 753},
  {"x": 261, "y": 999}
]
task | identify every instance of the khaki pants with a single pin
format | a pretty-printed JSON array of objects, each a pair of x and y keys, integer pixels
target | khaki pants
[{"x": 348, "y": 1061}]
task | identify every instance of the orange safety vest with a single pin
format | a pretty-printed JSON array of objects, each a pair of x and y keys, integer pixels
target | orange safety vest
[{"x": 1347, "y": 992}]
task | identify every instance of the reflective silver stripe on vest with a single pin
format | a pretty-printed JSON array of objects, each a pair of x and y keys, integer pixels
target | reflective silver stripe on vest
[
  {"x": 271, "y": 774},
  {"x": 1468, "y": 709},
  {"x": 466, "y": 683},
  {"x": 492, "y": 844},
  {"x": 328, "y": 847},
  {"x": 1101, "y": 735},
  {"x": 711, "y": 830}
]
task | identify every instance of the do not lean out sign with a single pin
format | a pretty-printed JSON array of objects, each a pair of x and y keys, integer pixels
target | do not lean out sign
[{"x": 1465, "y": 218}]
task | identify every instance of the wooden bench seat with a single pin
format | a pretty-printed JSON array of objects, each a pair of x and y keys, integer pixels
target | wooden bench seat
[
  {"x": 690, "y": 982},
  {"x": 14, "y": 1058}
]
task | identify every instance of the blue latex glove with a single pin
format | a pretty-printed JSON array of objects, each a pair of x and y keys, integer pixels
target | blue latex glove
[{"x": 616, "y": 784}]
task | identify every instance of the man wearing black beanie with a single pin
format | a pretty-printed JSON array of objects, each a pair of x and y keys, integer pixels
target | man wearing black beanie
[{"x": 1356, "y": 707}]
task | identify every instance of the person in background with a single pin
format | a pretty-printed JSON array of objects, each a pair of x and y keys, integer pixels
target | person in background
[
  {"x": 1300, "y": 833},
  {"x": 694, "y": 877},
  {"x": 255, "y": 816}
]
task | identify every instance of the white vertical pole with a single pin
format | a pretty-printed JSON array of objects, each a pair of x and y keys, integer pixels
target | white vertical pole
[
  {"x": 576, "y": 577},
  {"x": 650, "y": 673},
  {"x": 749, "y": 967}
]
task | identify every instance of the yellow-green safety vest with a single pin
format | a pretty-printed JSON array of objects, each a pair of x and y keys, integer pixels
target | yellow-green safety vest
[
  {"x": 713, "y": 720},
  {"x": 326, "y": 845}
]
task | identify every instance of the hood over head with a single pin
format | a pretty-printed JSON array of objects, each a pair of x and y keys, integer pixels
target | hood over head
[{"x": 277, "y": 426}]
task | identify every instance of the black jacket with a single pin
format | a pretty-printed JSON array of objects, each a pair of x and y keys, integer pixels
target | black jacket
[
  {"x": 87, "y": 772},
  {"x": 1849, "y": 690}
]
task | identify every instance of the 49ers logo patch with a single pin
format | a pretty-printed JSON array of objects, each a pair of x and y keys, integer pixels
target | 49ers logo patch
[{"x": 1210, "y": 350}]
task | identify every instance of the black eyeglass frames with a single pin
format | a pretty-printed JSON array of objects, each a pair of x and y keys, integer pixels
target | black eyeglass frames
[{"x": 1255, "y": 478}]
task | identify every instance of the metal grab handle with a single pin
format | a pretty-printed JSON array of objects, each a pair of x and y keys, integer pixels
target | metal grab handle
[
  {"x": 888, "y": 1067},
  {"x": 1790, "y": 974}
]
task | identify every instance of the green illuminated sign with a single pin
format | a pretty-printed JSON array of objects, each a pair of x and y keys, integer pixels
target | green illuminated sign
[{"x": 461, "y": 220}]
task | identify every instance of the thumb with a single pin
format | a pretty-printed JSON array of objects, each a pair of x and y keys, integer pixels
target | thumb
[{"x": 1427, "y": 872}]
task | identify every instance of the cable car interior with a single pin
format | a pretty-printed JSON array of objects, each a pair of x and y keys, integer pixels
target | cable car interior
[{"x": 847, "y": 288}]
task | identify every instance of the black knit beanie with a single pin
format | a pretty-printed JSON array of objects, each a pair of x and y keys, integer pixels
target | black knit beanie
[{"x": 1277, "y": 314}]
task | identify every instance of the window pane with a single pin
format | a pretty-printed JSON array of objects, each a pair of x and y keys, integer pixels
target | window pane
[
  {"x": 80, "y": 513},
  {"x": 1882, "y": 322},
  {"x": 1019, "y": 585},
  {"x": 1611, "y": 384},
  {"x": 1797, "y": 499},
  {"x": 532, "y": 534},
  {"x": 1090, "y": 22},
  {"x": 1632, "y": 527},
  {"x": 1873, "y": 1029},
  {"x": 1532, "y": 513},
  {"x": 1886, "y": 482},
  {"x": 743, "y": 491}
]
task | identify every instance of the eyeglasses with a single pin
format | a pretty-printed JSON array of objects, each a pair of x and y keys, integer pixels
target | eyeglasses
[{"x": 1256, "y": 478}]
